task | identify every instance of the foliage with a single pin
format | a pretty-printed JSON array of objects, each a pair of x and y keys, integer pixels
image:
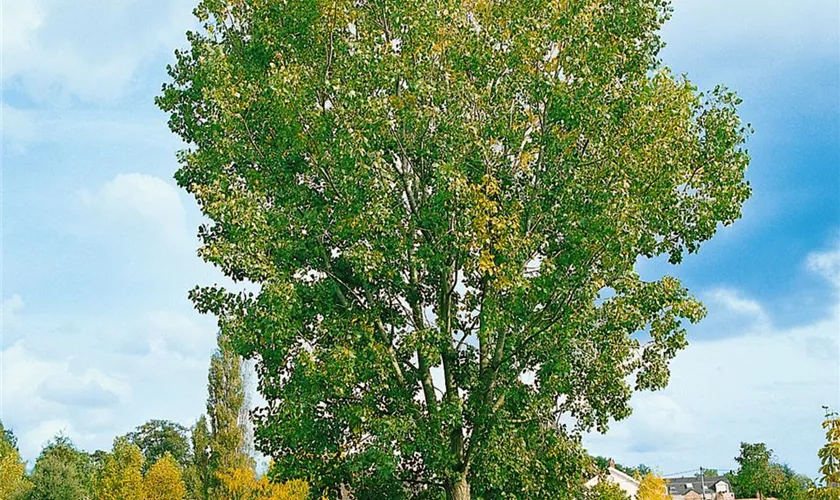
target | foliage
[
  {"x": 219, "y": 439},
  {"x": 759, "y": 473},
  {"x": 607, "y": 490},
  {"x": 198, "y": 476},
  {"x": 122, "y": 477},
  {"x": 59, "y": 472},
  {"x": 829, "y": 454},
  {"x": 163, "y": 480},
  {"x": 461, "y": 186},
  {"x": 756, "y": 473},
  {"x": 13, "y": 482},
  {"x": 652, "y": 487},
  {"x": 226, "y": 412},
  {"x": 94, "y": 466},
  {"x": 641, "y": 470},
  {"x": 794, "y": 486},
  {"x": 526, "y": 462},
  {"x": 242, "y": 484},
  {"x": 7, "y": 439},
  {"x": 155, "y": 438}
]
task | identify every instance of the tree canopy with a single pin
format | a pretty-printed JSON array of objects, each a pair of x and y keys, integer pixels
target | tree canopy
[
  {"x": 757, "y": 473},
  {"x": 59, "y": 472},
  {"x": 122, "y": 473},
  {"x": 652, "y": 487},
  {"x": 156, "y": 438},
  {"x": 442, "y": 202},
  {"x": 163, "y": 480}
]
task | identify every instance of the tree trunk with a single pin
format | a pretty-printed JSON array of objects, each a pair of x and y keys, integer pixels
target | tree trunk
[{"x": 459, "y": 490}]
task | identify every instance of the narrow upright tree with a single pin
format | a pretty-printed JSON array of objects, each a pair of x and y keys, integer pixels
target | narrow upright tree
[
  {"x": 219, "y": 439},
  {"x": 442, "y": 202},
  {"x": 198, "y": 476},
  {"x": 226, "y": 411}
]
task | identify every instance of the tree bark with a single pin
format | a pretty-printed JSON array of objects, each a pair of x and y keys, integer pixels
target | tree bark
[{"x": 459, "y": 490}]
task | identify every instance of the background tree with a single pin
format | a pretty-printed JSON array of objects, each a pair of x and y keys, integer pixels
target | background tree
[
  {"x": 640, "y": 470},
  {"x": 242, "y": 484},
  {"x": 122, "y": 477},
  {"x": 199, "y": 476},
  {"x": 607, "y": 490},
  {"x": 92, "y": 472},
  {"x": 756, "y": 474},
  {"x": 446, "y": 187},
  {"x": 13, "y": 482},
  {"x": 59, "y": 472},
  {"x": 163, "y": 480},
  {"x": 652, "y": 487},
  {"x": 155, "y": 438},
  {"x": 220, "y": 438},
  {"x": 226, "y": 411}
]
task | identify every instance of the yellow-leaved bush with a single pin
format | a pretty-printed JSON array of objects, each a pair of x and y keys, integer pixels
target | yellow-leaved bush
[
  {"x": 242, "y": 484},
  {"x": 163, "y": 481}
]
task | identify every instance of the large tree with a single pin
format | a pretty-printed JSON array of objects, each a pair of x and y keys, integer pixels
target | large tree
[
  {"x": 443, "y": 202},
  {"x": 156, "y": 438}
]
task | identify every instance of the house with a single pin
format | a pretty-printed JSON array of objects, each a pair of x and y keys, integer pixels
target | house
[
  {"x": 692, "y": 488},
  {"x": 613, "y": 475}
]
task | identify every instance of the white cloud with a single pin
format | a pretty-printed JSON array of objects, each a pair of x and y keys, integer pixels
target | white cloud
[
  {"x": 22, "y": 127},
  {"x": 55, "y": 49},
  {"x": 826, "y": 264},
  {"x": 753, "y": 381},
  {"x": 132, "y": 202},
  {"x": 77, "y": 382},
  {"x": 739, "y": 309},
  {"x": 37, "y": 415},
  {"x": 177, "y": 333}
]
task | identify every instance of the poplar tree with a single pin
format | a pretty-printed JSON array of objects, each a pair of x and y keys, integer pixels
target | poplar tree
[
  {"x": 220, "y": 437},
  {"x": 442, "y": 203}
]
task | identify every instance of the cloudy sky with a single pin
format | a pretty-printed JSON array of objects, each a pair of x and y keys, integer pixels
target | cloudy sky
[{"x": 98, "y": 245}]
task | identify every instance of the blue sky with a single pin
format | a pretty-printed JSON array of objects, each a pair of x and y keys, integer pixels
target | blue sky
[{"x": 98, "y": 245}]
